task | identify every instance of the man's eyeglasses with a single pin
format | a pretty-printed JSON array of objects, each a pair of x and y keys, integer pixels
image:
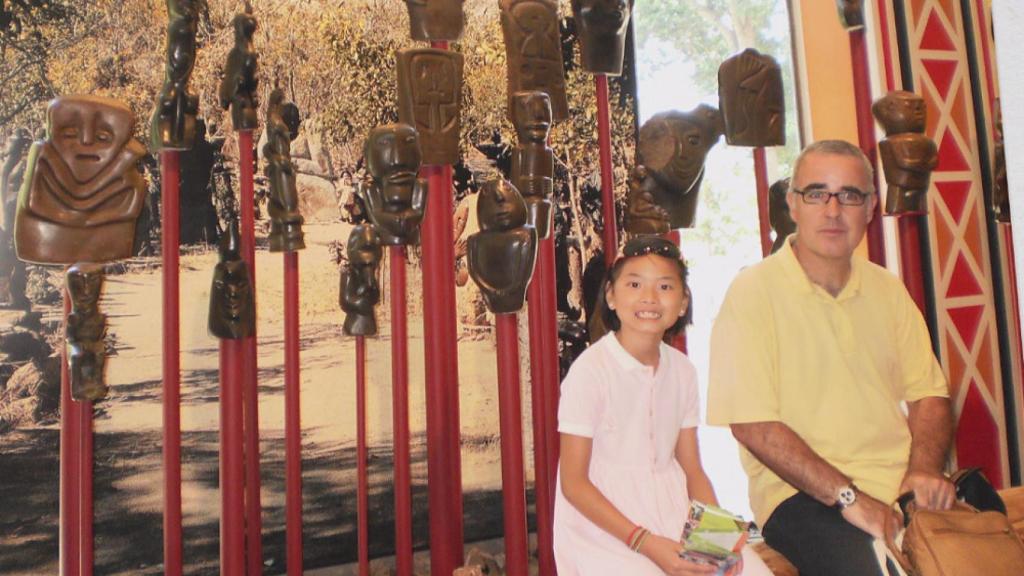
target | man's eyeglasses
[{"x": 846, "y": 197}]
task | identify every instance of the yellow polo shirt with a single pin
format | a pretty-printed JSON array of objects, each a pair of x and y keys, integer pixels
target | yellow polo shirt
[{"x": 835, "y": 369}]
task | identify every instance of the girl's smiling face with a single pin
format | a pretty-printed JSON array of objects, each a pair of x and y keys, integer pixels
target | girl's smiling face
[{"x": 648, "y": 296}]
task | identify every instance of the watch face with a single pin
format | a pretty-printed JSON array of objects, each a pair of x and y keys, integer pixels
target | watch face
[{"x": 847, "y": 496}]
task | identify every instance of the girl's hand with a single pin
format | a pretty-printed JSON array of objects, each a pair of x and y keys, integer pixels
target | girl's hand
[{"x": 665, "y": 553}]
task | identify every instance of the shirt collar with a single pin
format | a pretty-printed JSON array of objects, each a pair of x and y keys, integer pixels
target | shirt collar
[
  {"x": 795, "y": 272},
  {"x": 622, "y": 357}
]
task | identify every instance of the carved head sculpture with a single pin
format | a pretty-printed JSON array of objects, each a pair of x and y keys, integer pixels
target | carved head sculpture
[
  {"x": 672, "y": 149},
  {"x": 431, "y": 20},
  {"x": 173, "y": 122},
  {"x": 501, "y": 256},
  {"x": 908, "y": 156},
  {"x": 643, "y": 215},
  {"x": 601, "y": 26},
  {"x": 360, "y": 291},
  {"x": 232, "y": 311},
  {"x": 82, "y": 191},
  {"x": 86, "y": 327},
  {"x": 286, "y": 221},
  {"x": 1000, "y": 185},
  {"x": 533, "y": 162},
  {"x": 396, "y": 198},
  {"x": 778, "y": 212},
  {"x": 238, "y": 87},
  {"x": 429, "y": 98},
  {"x": 900, "y": 112},
  {"x": 533, "y": 46},
  {"x": 851, "y": 13},
  {"x": 750, "y": 95}
]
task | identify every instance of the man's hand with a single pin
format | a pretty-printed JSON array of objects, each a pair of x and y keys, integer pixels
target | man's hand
[
  {"x": 932, "y": 491},
  {"x": 665, "y": 553},
  {"x": 872, "y": 516}
]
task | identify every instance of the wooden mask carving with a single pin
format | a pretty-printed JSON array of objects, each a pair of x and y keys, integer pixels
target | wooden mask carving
[
  {"x": 750, "y": 95},
  {"x": 429, "y": 98},
  {"x": 395, "y": 197},
  {"x": 502, "y": 254},
  {"x": 232, "y": 307},
  {"x": 86, "y": 328},
  {"x": 533, "y": 46},
  {"x": 432, "y": 20},
  {"x": 283, "y": 206},
  {"x": 851, "y": 13},
  {"x": 908, "y": 156},
  {"x": 238, "y": 88},
  {"x": 173, "y": 126},
  {"x": 778, "y": 213},
  {"x": 672, "y": 149},
  {"x": 1000, "y": 186},
  {"x": 82, "y": 191},
  {"x": 359, "y": 291},
  {"x": 533, "y": 162},
  {"x": 601, "y": 26},
  {"x": 643, "y": 215}
]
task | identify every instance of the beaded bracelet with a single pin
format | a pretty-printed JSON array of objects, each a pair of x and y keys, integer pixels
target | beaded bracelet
[{"x": 629, "y": 539}]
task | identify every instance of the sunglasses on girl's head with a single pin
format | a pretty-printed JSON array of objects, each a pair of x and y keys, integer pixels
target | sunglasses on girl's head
[{"x": 662, "y": 248}]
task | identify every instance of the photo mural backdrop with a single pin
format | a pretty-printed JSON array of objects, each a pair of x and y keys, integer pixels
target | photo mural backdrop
[{"x": 336, "y": 61}]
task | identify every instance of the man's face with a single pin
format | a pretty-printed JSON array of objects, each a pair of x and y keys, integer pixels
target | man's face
[{"x": 831, "y": 231}]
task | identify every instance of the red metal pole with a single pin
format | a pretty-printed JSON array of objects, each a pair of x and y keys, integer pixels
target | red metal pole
[
  {"x": 250, "y": 370},
  {"x": 70, "y": 467},
  {"x": 400, "y": 412},
  {"x": 292, "y": 420},
  {"x": 362, "y": 455},
  {"x": 87, "y": 551},
  {"x": 170, "y": 171},
  {"x": 513, "y": 486},
  {"x": 761, "y": 178},
  {"x": 544, "y": 380},
  {"x": 866, "y": 135},
  {"x": 444, "y": 459},
  {"x": 604, "y": 142},
  {"x": 910, "y": 257},
  {"x": 232, "y": 466}
]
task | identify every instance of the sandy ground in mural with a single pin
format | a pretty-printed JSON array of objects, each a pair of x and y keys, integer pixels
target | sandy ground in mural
[{"x": 128, "y": 476}]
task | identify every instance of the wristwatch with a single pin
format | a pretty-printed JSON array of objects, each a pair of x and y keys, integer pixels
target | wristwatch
[{"x": 846, "y": 496}]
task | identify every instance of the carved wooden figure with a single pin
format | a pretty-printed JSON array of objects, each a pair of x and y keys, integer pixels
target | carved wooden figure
[
  {"x": 643, "y": 215},
  {"x": 750, "y": 96},
  {"x": 173, "y": 125},
  {"x": 359, "y": 291},
  {"x": 395, "y": 197},
  {"x": 672, "y": 149},
  {"x": 908, "y": 156},
  {"x": 533, "y": 162},
  {"x": 601, "y": 26},
  {"x": 433, "y": 20},
  {"x": 232, "y": 306},
  {"x": 283, "y": 206},
  {"x": 429, "y": 98},
  {"x": 238, "y": 87},
  {"x": 82, "y": 192},
  {"x": 1000, "y": 185},
  {"x": 502, "y": 254},
  {"x": 851, "y": 13},
  {"x": 86, "y": 329},
  {"x": 778, "y": 213},
  {"x": 533, "y": 46}
]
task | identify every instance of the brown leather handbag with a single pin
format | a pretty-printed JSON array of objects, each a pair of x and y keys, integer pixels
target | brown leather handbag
[{"x": 959, "y": 542}]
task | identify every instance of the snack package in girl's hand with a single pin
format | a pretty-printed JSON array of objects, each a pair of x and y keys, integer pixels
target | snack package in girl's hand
[{"x": 713, "y": 536}]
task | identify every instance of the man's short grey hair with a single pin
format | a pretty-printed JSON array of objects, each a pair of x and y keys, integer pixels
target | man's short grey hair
[{"x": 836, "y": 148}]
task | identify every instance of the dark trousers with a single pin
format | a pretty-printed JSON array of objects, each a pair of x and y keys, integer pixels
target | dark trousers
[{"x": 818, "y": 541}]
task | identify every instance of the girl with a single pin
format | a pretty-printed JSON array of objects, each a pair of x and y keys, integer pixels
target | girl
[{"x": 628, "y": 422}]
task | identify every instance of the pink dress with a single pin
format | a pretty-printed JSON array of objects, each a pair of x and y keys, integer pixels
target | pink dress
[{"x": 633, "y": 414}]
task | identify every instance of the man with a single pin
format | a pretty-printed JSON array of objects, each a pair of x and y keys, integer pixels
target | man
[{"x": 813, "y": 354}]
